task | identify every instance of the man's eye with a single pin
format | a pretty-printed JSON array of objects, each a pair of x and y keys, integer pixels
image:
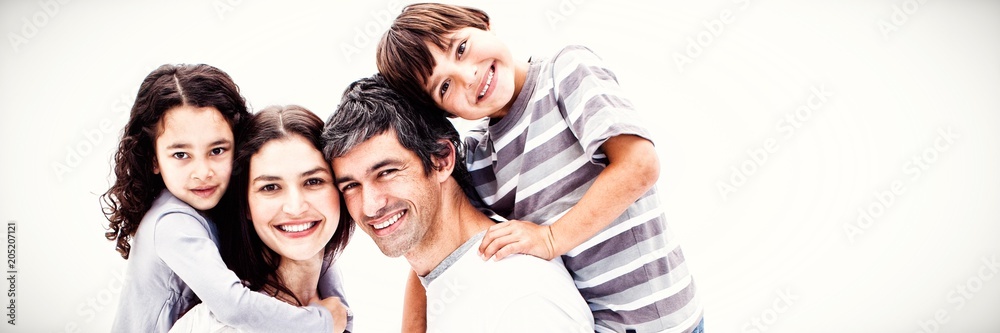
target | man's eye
[{"x": 388, "y": 172}]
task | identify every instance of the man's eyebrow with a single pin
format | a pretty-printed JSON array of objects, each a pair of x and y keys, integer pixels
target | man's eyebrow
[{"x": 373, "y": 168}]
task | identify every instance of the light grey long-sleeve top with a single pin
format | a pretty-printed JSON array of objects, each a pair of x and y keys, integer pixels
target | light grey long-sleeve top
[{"x": 175, "y": 261}]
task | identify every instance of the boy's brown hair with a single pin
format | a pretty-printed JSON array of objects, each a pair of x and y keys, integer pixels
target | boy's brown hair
[{"x": 403, "y": 58}]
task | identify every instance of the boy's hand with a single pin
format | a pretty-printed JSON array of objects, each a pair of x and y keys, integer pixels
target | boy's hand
[
  {"x": 338, "y": 310},
  {"x": 504, "y": 239}
]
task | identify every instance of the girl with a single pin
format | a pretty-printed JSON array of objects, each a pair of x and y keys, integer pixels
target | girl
[
  {"x": 172, "y": 167},
  {"x": 290, "y": 214}
]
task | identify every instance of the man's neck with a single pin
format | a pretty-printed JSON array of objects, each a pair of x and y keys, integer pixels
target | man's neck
[{"x": 457, "y": 221}]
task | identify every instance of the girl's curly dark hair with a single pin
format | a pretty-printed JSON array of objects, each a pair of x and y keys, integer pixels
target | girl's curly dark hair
[{"x": 136, "y": 186}]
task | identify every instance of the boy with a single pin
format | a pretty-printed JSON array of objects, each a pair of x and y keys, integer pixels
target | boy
[{"x": 562, "y": 149}]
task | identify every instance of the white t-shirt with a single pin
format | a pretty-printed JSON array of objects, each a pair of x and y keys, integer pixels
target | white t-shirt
[
  {"x": 520, "y": 293},
  {"x": 200, "y": 319}
]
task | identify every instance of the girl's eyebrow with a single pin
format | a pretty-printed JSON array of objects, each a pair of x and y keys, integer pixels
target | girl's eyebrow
[{"x": 183, "y": 145}]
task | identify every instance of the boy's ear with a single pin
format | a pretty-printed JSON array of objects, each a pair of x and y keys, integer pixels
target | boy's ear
[{"x": 445, "y": 163}]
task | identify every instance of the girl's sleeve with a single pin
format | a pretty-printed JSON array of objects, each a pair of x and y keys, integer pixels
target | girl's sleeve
[
  {"x": 184, "y": 245},
  {"x": 331, "y": 284},
  {"x": 592, "y": 101}
]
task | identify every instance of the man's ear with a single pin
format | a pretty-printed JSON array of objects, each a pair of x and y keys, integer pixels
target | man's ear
[{"x": 443, "y": 165}]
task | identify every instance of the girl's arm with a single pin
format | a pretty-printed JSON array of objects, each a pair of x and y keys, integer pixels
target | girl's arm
[
  {"x": 414, "y": 305},
  {"x": 633, "y": 169},
  {"x": 184, "y": 245}
]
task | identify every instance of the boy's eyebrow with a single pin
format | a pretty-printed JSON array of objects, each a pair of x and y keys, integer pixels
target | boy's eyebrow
[{"x": 220, "y": 142}]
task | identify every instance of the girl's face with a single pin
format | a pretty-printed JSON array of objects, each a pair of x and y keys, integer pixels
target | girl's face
[
  {"x": 294, "y": 206},
  {"x": 194, "y": 154}
]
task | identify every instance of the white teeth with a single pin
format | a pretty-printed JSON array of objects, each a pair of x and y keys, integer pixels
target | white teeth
[
  {"x": 489, "y": 80},
  {"x": 388, "y": 222},
  {"x": 296, "y": 227}
]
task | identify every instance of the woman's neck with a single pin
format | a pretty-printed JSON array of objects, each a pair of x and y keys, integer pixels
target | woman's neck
[{"x": 301, "y": 277}]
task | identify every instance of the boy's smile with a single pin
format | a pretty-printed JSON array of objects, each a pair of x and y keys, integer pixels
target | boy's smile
[{"x": 476, "y": 76}]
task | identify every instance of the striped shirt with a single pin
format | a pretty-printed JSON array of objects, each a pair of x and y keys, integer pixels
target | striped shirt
[{"x": 539, "y": 160}]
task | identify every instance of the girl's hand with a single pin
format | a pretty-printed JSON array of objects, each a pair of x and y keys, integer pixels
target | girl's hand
[
  {"x": 504, "y": 239},
  {"x": 339, "y": 311}
]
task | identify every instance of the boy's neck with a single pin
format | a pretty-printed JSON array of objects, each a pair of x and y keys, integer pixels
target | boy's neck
[{"x": 520, "y": 75}]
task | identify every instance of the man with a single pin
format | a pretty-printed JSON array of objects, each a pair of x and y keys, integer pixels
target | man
[{"x": 398, "y": 174}]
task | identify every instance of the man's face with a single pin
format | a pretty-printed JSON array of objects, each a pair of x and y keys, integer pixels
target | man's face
[{"x": 387, "y": 192}]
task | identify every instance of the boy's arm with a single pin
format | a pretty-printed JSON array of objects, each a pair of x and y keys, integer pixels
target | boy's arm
[
  {"x": 184, "y": 245},
  {"x": 632, "y": 170},
  {"x": 414, "y": 305}
]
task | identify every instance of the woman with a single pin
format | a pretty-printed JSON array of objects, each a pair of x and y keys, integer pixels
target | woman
[{"x": 290, "y": 214}]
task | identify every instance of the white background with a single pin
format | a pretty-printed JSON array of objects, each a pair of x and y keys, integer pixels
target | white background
[{"x": 773, "y": 256}]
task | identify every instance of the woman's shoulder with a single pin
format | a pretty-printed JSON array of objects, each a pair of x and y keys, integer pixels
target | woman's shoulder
[{"x": 200, "y": 319}]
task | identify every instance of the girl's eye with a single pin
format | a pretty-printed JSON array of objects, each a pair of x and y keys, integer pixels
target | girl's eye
[
  {"x": 444, "y": 87},
  {"x": 461, "y": 49},
  {"x": 218, "y": 151},
  {"x": 269, "y": 188},
  {"x": 180, "y": 155}
]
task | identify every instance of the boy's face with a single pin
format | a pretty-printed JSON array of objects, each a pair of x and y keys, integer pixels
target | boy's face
[
  {"x": 474, "y": 77},
  {"x": 194, "y": 154}
]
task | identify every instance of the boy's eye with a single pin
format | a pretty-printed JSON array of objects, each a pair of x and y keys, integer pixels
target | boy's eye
[
  {"x": 461, "y": 49},
  {"x": 180, "y": 155},
  {"x": 444, "y": 88}
]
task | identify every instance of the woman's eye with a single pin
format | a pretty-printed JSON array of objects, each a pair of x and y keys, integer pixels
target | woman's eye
[
  {"x": 218, "y": 151},
  {"x": 444, "y": 88},
  {"x": 269, "y": 188},
  {"x": 180, "y": 155},
  {"x": 314, "y": 181}
]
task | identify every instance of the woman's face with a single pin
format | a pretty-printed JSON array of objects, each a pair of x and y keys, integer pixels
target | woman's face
[{"x": 294, "y": 205}]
